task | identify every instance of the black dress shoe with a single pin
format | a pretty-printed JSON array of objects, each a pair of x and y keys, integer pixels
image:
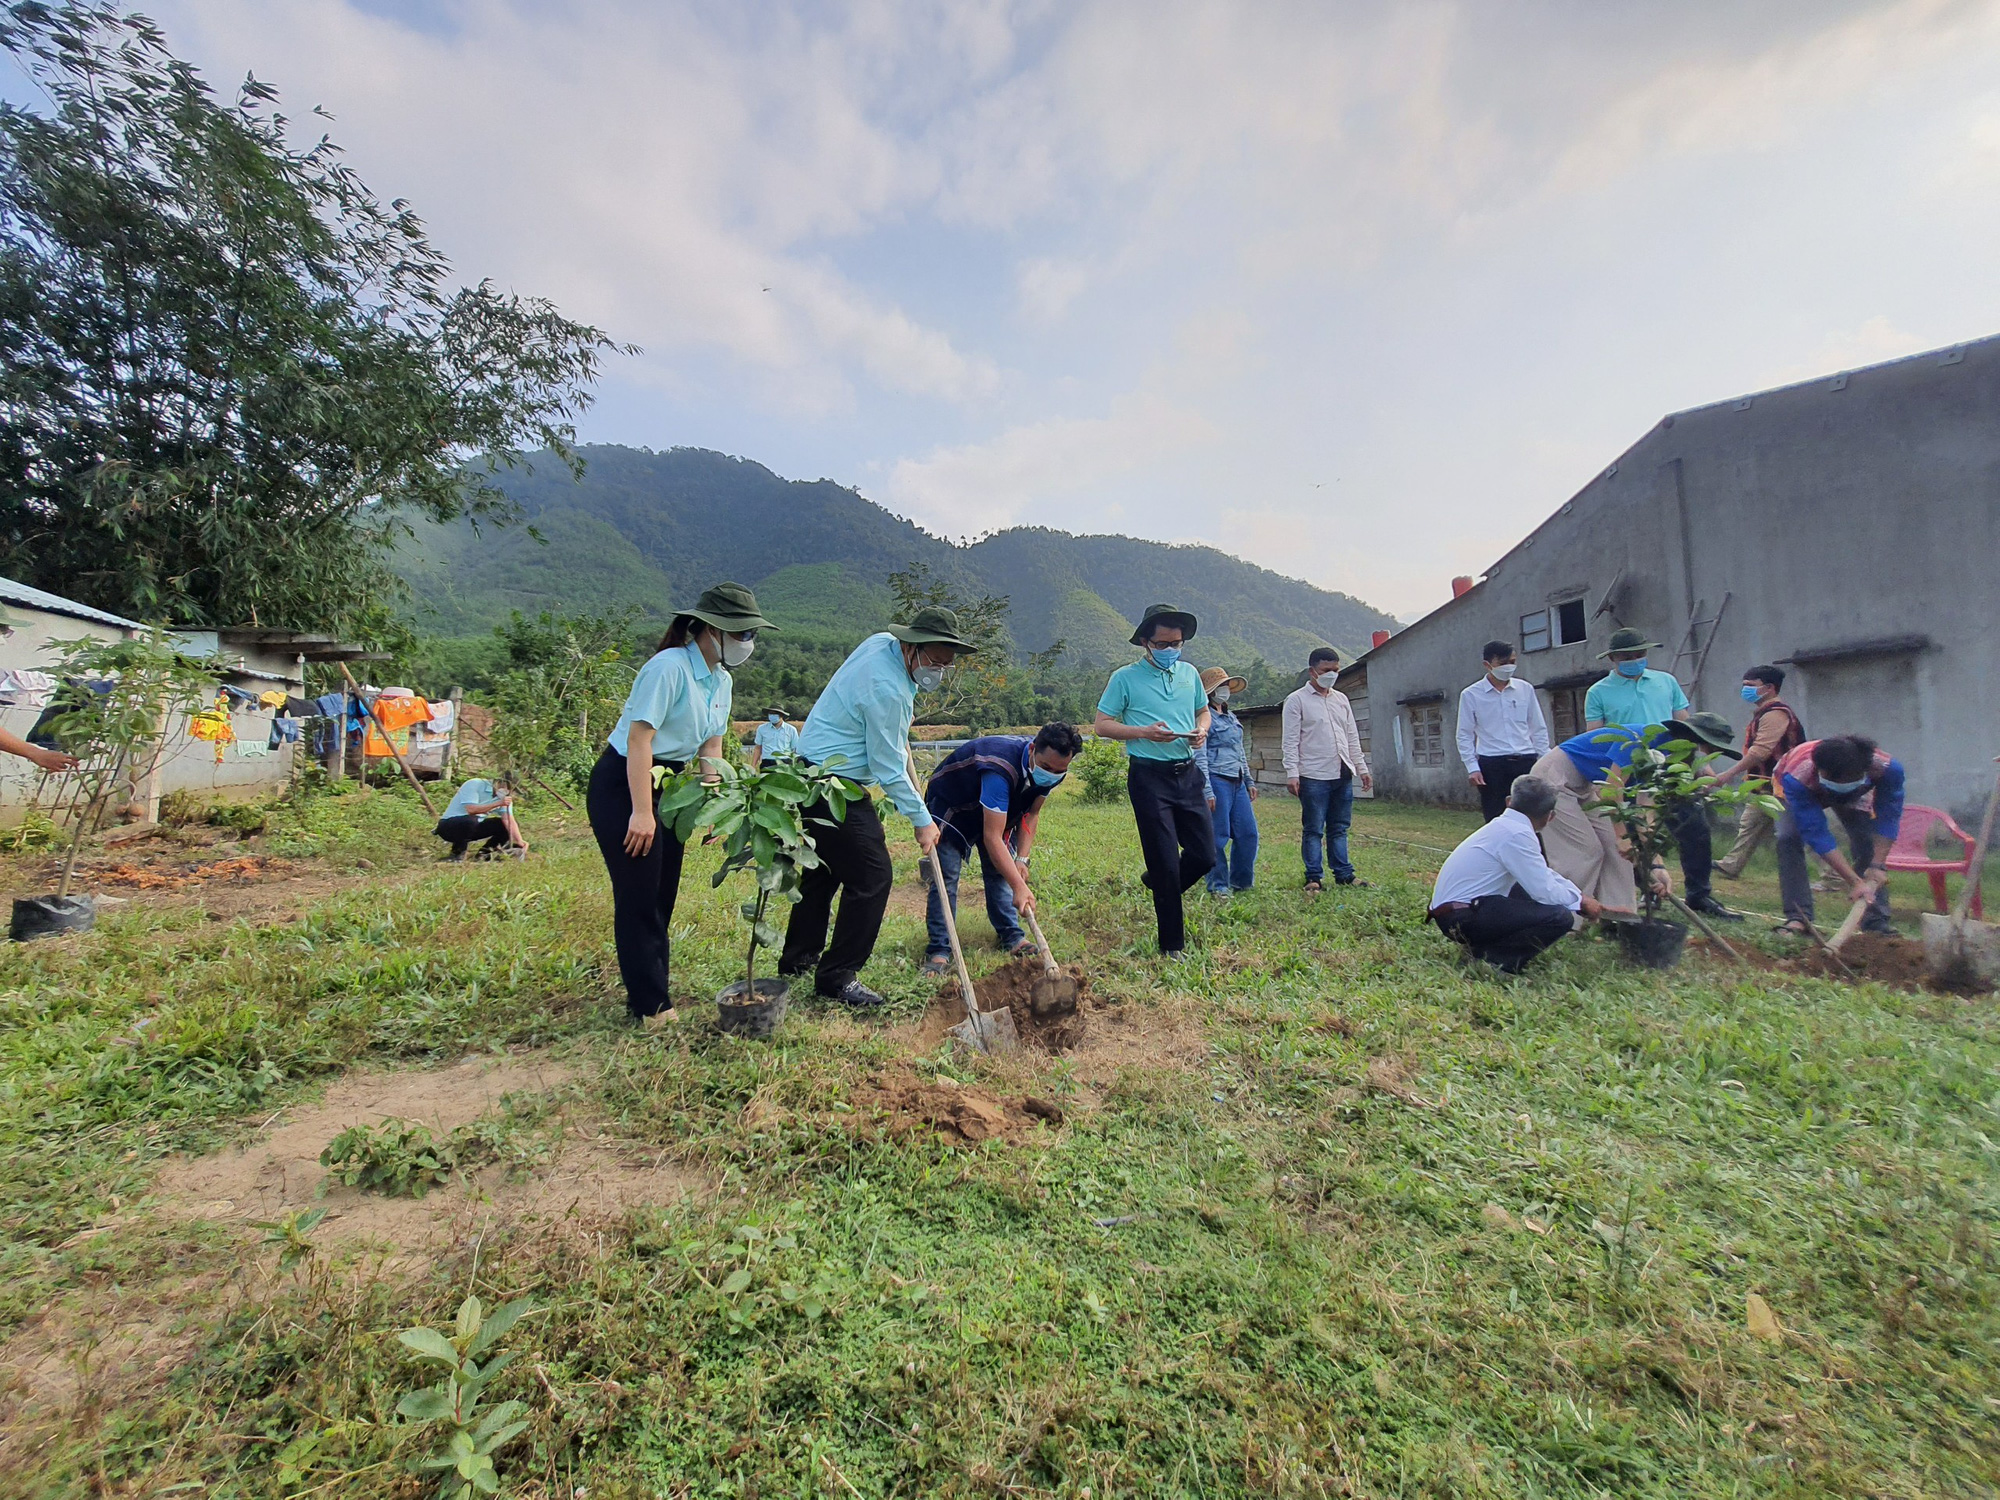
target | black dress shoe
[
  {"x": 857, "y": 996},
  {"x": 1708, "y": 906}
]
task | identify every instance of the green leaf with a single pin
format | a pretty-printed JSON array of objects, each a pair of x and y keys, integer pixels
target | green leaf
[
  {"x": 497, "y": 1324},
  {"x": 768, "y": 936},
  {"x": 499, "y": 1417},
  {"x": 426, "y": 1405},
  {"x": 429, "y": 1344},
  {"x": 736, "y": 1282}
]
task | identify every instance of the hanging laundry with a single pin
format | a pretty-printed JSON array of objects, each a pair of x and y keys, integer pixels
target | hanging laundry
[
  {"x": 213, "y": 724},
  {"x": 303, "y": 708},
  {"x": 236, "y": 696},
  {"x": 247, "y": 751},
  {"x": 283, "y": 730},
  {"x": 272, "y": 699},
  {"x": 397, "y": 693},
  {"x": 444, "y": 715},
  {"x": 401, "y": 713},
  {"x": 24, "y": 688},
  {"x": 330, "y": 705}
]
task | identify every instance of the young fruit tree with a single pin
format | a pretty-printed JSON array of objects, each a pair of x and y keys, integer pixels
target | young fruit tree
[
  {"x": 760, "y": 818},
  {"x": 122, "y": 707},
  {"x": 1666, "y": 781}
]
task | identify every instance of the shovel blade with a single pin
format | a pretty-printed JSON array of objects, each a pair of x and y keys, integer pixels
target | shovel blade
[
  {"x": 1961, "y": 955},
  {"x": 1053, "y": 995},
  {"x": 988, "y": 1031}
]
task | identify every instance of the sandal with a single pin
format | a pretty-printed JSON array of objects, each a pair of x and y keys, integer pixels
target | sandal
[
  {"x": 1313, "y": 887},
  {"x": 936, "y": 965},
  {"x": 1792, "y": 929},
  {"x": 1024, "y": 949}
]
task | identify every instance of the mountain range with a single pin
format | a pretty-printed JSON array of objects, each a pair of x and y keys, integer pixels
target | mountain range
[{"x": 650, "y": 530}]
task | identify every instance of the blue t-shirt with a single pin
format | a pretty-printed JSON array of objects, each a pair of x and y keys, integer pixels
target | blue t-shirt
[
  {"x": 1596, "y": 751},
  {"x": 775, "y": 739},
  {"x": 1140, "y": 694},
  {"x": 682, "y": 697},
  {"x": 1651, "y": 698},
  {"x": 476, "y": 792}
]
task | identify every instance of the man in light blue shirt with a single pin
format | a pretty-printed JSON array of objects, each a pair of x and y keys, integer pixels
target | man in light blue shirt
[
  {"x": 483, "y": 810},
  {"x": 1156, "y": 706},
  {"x": 860, "y": 727},
  {"x": 775, "y": 739},
  {"x": 1635, "y": 696}
]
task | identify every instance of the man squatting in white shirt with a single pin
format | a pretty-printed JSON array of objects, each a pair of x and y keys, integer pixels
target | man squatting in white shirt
[{"x": 1496, "y": 893}]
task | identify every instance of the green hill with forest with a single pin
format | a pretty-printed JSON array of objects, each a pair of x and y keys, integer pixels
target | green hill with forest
[{"x": 645, "y": 531}]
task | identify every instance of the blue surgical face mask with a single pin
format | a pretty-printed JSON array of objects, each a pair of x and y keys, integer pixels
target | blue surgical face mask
[
  {"x": 1841, "y": 788},
  {"x": 1043, "y": 777},
  {"x": 1749, "y": 693},
  {"x": 775, "y": 718},
  {"x": 1632, "y": 668},
  {"x": 1164, "y": 657}
]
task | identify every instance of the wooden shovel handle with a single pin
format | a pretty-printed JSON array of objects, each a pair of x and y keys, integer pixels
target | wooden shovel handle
[
  {"x": 1977, "y": 866},
  {"x": 951, "y": 931},
  {"x": 1851, "y": 924},
  {"x": 1048, "y": 958}
]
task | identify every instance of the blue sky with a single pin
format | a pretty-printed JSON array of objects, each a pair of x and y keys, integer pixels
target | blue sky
[{"x": 1358, "y": 291}]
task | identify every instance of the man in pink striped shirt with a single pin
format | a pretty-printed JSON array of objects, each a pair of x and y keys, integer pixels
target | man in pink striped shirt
[{"x": 1323, "y": 759}]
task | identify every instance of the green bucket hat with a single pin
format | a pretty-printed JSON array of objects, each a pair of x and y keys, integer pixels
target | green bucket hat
[
  {"x": 1163, "y": 614},
  {"x": 933, "y": 625},
  {"x": 730, "y": 608},
  {"x": 1711, "y": 730},
  {"x": 1627, "y": 640}
]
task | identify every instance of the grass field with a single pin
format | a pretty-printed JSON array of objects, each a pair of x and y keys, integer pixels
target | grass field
[{"x": 1325, "y": 1213}]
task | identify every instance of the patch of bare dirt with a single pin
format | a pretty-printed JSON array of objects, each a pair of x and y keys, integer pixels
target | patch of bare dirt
[
  {"x": 1880, "y": 957},
  {"x": 589, "y": 1175},
  {"x": 901, "y": 1104}
]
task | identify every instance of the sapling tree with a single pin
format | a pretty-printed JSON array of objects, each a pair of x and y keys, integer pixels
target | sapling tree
[
  {"x": 1645, "y": 800},
  {"x": 760, "y": 818},
  {"x": 121, "y": 707}
]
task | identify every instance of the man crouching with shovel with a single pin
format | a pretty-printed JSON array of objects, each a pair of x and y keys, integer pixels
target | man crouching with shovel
[{"x": 987, "y": 795}]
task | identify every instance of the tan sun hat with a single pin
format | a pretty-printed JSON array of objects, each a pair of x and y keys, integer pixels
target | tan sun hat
[{"x": 1215, "y": 677}]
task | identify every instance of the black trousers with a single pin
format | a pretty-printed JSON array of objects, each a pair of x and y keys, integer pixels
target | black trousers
[
  {"x": 855, "y": 863},
  {"x": 1508, "y": 930},
  {"x": 1500, "y": 772},
  {"x": 1691, "y": 832},
  {"x": 1176, "y": 835},
  {"x": 643, "y": 890},
  {"x": 464, "y": 829}
]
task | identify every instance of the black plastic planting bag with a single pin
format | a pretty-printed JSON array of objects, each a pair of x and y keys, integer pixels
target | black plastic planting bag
[{"x": 51, "y": 916}]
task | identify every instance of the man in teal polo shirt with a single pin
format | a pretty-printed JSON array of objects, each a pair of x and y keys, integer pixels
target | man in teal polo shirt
[
  {"x": 1637, "y": 697},
  {"x": 1156, "y": 706}
]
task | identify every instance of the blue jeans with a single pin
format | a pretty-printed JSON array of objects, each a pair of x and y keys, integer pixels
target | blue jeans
[
  {"x": 952, "y": 855},
  {"x": 1235, "y": 818},
  {"x": 1327, "y": 808}
]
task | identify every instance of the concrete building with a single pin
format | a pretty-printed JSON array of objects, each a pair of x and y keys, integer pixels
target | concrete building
[
  {"x": 250, "y": 659},
  {"x": 1846, "y": 528}
]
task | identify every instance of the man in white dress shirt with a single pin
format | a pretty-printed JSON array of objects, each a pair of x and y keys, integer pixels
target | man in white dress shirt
[
  {"x": 1501, "y": 731},
  {"x": 1496, "y": 893},
  {"x": 1323, "y": 759}
]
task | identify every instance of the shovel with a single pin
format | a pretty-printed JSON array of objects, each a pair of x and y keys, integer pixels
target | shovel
[
  {"x": 1958, "y": 952},
  {"x": 1054, "y": 993},
  {"x": 984, "y": 1031}
]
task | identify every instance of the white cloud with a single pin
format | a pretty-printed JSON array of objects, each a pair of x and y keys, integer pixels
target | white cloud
[{"x": 979, "y": 487}]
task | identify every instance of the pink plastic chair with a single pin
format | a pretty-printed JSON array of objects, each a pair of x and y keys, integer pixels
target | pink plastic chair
[{"x": 1912, "y": 851}]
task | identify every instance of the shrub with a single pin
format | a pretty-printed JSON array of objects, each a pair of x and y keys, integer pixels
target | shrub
[{"x": 1100, "y": 771}]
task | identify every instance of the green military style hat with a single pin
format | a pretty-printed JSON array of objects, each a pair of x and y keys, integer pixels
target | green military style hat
[
  {"x": 933, "y": 625},
  {"x": 1711, "y": 730},
  {"x": 1164, "y": 614},
  {"x": 1627, "y": 640},
  {"x": 730, "y": 608}
]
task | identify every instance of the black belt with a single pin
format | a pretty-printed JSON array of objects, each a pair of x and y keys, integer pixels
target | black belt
[{"x": 1442, "y": 913}]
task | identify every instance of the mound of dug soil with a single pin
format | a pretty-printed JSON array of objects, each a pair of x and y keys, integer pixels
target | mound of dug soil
[
  {"x": 902, "y": 1104},
  {"x": 1011, "y": 987},
  {"x": 1884, "y": 958}
]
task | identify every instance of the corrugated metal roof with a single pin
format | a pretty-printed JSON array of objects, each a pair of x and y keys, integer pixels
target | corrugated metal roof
[{"x": 33, "y": 598}]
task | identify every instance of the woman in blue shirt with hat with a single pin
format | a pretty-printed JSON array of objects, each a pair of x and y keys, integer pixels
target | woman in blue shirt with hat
[{"x": 678, "y": 709}]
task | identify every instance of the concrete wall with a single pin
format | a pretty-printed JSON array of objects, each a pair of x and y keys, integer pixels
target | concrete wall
[
  {"x": 191, "y": 766},
  {"x": 1852, "y": 523}
]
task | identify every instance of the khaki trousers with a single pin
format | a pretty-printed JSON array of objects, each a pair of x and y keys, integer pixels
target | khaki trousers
[
  {"x": 1753, "y": 826},
  {"x": 1583, "y": 846}
]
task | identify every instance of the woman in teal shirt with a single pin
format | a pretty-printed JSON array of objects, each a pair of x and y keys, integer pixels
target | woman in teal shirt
[{"x": 678, "y": 709}]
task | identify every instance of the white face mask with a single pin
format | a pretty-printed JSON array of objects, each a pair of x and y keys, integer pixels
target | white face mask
[
  {"x": 1327, "y": 678},
  {"x": 1220, "y": 696},
  {"x": 736, "y": 649},
  {"x": 1504, "y": 673},
  {"x": 928, "y": 678}
]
